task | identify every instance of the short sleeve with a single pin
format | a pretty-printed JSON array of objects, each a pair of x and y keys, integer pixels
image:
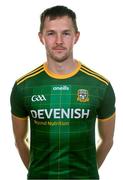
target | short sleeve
[
  {"x": 17, "y": 103},
  {"x": 107, "y": 106}
]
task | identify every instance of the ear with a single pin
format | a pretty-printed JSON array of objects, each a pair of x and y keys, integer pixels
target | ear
[
  {"x": 77, "y": 35},
  {"x": 40, "y": 35}
]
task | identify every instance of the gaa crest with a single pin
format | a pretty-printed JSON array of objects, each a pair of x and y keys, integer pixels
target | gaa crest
[{"x": 82, "y": 95}]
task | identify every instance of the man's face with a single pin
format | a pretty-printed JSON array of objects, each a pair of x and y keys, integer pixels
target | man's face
[{"x": 59, "y": 37}]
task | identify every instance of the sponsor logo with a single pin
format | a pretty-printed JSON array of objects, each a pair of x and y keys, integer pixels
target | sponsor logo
[
  {"x": 36, "y": 98},
  {"x": 58, "y": 113},
  {"x": 82, "y": 95},
  {"x": 61, "y": 88}
]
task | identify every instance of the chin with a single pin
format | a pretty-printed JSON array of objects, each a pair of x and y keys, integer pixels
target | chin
[{"x": 60, "y": 60}]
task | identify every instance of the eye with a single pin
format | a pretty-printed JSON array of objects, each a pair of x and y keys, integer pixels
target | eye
[
  {"x": 66, "y": 33},
  {"x": 50, "y": 33}
]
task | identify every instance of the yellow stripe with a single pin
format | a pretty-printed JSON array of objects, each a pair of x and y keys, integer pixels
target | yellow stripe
[
  {"x": 40, "y": 67},
  {"x": 93, "y": 72},
  {"x": 29, "y": 76},
  {"x": 93, "y": 75},
  {"x": 20, "y": 118},
  {"x": 107, "y": 119}
]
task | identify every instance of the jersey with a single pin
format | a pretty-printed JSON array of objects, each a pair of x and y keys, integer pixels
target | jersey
[{"x": 62, "y": 110}]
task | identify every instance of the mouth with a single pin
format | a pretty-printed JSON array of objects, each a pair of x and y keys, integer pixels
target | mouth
[{"x": 59, "y": 48}]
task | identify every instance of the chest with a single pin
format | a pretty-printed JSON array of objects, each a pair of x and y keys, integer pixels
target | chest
[{"x": 62, "y": 100}]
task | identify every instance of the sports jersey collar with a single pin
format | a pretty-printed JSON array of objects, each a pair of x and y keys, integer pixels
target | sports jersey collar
[{"x": 57, "y": 76}]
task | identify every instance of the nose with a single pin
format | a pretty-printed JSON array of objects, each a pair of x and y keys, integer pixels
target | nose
[{"x": 59, "y": 39}]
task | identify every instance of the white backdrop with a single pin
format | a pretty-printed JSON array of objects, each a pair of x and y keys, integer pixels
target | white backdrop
[{"x": 100, "y": 47}]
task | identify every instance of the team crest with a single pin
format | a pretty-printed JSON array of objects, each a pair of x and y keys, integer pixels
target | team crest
[{"x": 82, "y": 95}]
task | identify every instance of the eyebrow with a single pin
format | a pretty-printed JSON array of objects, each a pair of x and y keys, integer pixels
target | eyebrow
[{"x": 53, "y": 30}]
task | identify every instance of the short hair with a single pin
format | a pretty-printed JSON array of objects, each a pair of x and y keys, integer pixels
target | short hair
[{"x": 58, "y": 11}]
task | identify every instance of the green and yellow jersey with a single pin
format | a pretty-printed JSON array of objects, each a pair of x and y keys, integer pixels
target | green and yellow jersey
[{"x": 62, "y": 110}]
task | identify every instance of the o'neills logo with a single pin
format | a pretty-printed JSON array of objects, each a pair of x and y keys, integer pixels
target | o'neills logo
[
  {"x": 61, "y": 88},
  {"x": 58, "y": 113}
]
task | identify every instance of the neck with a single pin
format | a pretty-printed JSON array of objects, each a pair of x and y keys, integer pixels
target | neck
[{"x": 62, "y": 68}]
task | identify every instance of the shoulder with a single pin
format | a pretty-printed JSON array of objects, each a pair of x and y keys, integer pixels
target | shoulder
[
  {"x": 93, "y": 75},
  {"x": 30, "y": 74}
]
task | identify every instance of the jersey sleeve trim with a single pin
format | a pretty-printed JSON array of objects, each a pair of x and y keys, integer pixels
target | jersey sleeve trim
[
  {"x": 107, "y": 119},
  {"x": 20, "y": 118}
]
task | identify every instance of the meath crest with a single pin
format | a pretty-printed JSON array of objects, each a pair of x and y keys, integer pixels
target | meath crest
[{"x": 82, "y": 95}]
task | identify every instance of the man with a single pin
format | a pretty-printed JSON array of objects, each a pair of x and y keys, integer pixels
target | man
[{"x": 62, "y": 98}]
